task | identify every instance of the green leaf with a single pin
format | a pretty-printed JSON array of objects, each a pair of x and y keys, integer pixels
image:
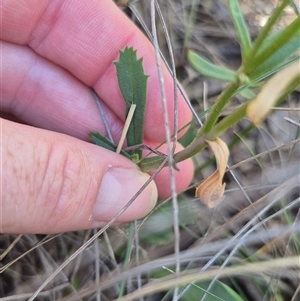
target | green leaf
[
  {"x": 133, "y": 85},
  {"x": 247, "y": 93},
  {"x": 241, "y": 27},
  {"x": 278, "y": 57},
  {"x": 208, "y": 69},
  {"x": 263, "y": 34},
  {"x": 284, "y": 37},
  {"x": 188, "y": 136},
  {"x": 219, "y": 291},
  {"x": 102, "y": 141},
  {"x": 157, "y": 228}
]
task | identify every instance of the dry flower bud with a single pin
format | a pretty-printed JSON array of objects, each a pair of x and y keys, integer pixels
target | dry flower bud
[
  {"x": 211, "y": 191},
  {"x": 259, "y": 108}
]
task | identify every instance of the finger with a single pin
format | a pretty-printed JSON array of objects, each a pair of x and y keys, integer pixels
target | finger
[
  {"x": 47, "y": 96},
  {"x": 84, "y": 38},
  {"x": 53, "y": 183}
]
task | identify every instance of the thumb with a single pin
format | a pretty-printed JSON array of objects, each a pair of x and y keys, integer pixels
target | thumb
[{"x": 53, "y": 183}]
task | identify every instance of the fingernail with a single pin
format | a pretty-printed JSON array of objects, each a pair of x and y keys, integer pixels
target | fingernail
[{"x": 118, "y": 186}]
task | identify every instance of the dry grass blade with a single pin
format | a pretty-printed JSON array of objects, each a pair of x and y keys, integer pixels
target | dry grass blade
[
  {"x": 194, "y": 275},
  {"x": 10, "y": 247},
  {"x": 170, "y": 149}
]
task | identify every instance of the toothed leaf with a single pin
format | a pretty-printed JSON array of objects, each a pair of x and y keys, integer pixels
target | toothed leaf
[{"x": 133, "y": 85}]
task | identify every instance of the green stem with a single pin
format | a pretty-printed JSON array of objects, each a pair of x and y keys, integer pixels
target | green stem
[
  {"x": 217, "y": 108},
  {"x": 227, "y": 122},
  {"x": 199, "y": 143},
  {"x": 149, "y": 164}
]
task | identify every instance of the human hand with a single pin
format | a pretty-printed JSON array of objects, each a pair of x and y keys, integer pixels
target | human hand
[{"x": 52, "y": 179}]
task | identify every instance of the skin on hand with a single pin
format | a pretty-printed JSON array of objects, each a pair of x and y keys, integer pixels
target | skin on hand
[{"x": 53, "y": 53}]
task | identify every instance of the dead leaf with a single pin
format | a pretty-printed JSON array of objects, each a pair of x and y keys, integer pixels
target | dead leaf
[
  {"x": 259, "y": 108},
  {"x": 211, "y": 191}
]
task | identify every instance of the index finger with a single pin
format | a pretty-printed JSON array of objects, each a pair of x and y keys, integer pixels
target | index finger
[{"x": 84, "y": 37}]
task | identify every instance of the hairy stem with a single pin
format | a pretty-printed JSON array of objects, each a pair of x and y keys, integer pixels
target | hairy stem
[{"x": 217, "y": 108}]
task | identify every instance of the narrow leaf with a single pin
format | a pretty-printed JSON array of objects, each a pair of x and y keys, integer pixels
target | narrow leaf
[
  {"x": 281, "y": 39},
  {"x": 247, "y": 93},
  {"x": 240, "y": 26},
  {"x": 208, "y": 69},
  {"x": 102, "y": 141},
  {"x": 133, "y": 85},
  {"x": 278, "y": 57},
  {"x": 276, "y": 14},
  {"x": 214, "y": 291}
]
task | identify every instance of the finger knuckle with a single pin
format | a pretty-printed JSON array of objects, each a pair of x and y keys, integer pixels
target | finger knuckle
[{"x": 65, "y": 188}]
